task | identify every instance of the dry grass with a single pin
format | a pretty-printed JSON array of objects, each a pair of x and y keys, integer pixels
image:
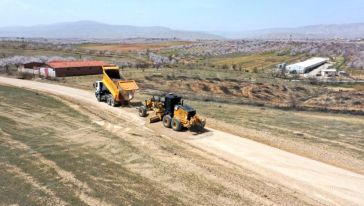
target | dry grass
[
  {"x": 133, "y": 47},
  {"x": 333, "y": 138},
  {"x": 256, "y": 61},
  {"x": 53, "y": 154}
]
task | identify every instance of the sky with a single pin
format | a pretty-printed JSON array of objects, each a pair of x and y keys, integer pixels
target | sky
[{"x": 198, "y": 15}]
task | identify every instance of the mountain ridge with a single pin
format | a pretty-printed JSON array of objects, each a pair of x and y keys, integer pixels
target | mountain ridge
[
  {"x": 86, "y": 29},
  {"x": 91, "y": 29},
  {"x": 319, "y": 31}
]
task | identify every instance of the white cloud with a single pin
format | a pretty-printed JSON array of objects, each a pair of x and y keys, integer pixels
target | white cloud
[{"x": 6, "y": 5}]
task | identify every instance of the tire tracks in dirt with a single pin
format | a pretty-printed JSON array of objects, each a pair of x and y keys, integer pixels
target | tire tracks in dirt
[
  {"x": 67, "y": 177},
  {"x": 18, "y": 172}
]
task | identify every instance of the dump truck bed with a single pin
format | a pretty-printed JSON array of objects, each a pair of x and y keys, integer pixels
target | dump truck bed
[
  {"x": 127, "y": 85},
  {"x": 120, "y": 89}
]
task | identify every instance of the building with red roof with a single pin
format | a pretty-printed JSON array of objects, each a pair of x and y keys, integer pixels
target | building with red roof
[
  {"x": 54, "y": 69},
  {"x": 72, "y": 68}
]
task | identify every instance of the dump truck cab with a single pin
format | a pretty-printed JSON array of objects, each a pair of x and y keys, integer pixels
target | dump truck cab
[{"x": 100, "y": 91}]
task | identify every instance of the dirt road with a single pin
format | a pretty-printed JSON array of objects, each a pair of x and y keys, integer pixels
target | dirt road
[{"x": 327, "y": 184}]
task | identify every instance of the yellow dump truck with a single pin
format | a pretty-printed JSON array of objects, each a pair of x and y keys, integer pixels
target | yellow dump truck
[{"x": 113, "y": 89}]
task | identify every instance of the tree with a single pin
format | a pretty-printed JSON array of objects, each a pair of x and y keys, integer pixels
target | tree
[{"x": 234, "y": 66}]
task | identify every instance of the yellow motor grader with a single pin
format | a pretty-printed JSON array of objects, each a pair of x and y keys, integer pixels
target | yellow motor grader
[{"x": 174, "y": 114}]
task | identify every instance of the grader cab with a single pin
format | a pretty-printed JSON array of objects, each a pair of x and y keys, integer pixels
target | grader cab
[{"x": 174, "y": 114}]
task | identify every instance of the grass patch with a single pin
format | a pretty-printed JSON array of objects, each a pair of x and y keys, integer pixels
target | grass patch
[
  {"x": 331, "y": 129},
  {"x": 256, "y": 61},
  {"x": 109, "y": 181}
]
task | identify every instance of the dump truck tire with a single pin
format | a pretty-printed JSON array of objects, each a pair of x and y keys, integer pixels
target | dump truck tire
[
  {"x": 98, "y": 97},
  {"x": 142, "y": 111},
  {"x": 112, "y": 102},
  {"x": 167, "y": 121},
  {"x": 176, "y": 125},
  {"x": 109, "y": 98}
]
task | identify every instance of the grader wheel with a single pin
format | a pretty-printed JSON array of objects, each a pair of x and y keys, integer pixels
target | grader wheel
[
  {"x": 142, "y": 111},
  {"x": 167, "y": 121},
  {"x": 176, "y": 125}
]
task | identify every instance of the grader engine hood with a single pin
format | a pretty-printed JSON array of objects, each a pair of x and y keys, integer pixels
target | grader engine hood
[
  {"x": 194, "y": 121},
  {"x": 197, "y": 122}
]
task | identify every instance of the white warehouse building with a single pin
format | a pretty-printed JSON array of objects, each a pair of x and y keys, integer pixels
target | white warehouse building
[{"x": 306, "y": 66}]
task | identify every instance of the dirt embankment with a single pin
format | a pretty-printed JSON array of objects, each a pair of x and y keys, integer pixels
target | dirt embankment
[{"x": 290, "y": 96}]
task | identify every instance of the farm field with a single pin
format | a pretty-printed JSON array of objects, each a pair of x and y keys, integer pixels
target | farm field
[
  {"x": 134, "y": 47},
  {"x": 238, "y": 94},
  {"x": 265, "y": 61},
  {"x": 62, "y": 154},
  {"x": 174, "y": 103},
  {"x": 328, "y": 137}
]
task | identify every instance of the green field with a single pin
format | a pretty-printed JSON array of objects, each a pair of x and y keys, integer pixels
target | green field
[{"x": 258, "y": 61}]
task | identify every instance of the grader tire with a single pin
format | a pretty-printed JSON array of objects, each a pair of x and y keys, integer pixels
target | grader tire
[
  {"x": 142, "y": 111},
  {"x": 176, "y": 125},
  {"x": 167, "y": 121}
]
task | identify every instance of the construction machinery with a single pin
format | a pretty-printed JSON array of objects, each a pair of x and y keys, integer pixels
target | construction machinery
[
  {"x": 113, "y": 89},
  {"x": 171, "y": 110}
]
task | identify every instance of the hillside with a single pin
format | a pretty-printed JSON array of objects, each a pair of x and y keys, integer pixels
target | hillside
[
  {"x": 96, "y": 30},
  {"x": 323, "y": 31}
]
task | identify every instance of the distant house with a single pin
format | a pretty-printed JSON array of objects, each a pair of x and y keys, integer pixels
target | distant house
[
  {"x": 306, "y": 66},
  {"x": 64, "y": 68}
]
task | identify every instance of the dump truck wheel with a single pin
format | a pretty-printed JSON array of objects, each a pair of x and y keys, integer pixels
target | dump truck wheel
[
  {"x": 112, "y": 102},
  {"x": 176, "y": 125},
  {"x": 108, "y": 100},
  {"x": 142, "y": 111},
  {"x": 167, "y": 121},
  {"x": 98, "y": 97}
]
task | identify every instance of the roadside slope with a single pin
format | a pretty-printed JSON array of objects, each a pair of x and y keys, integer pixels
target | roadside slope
[{"x": 325, "y": 183}]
